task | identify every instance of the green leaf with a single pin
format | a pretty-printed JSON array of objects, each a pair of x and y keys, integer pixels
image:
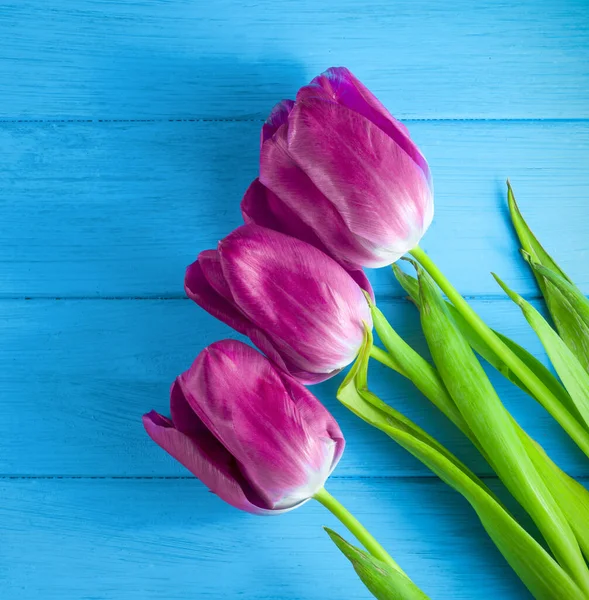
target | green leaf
[
  {"x": 527, "y": 239},
  {"x": 383, "y": 581},
  {"x": 545, "y": 579},
  {"x": 571, "y": 327},
  {"x": 411, "y": 286},
  {"x": 494, "y": 428},
  {"x": 413, "y": 366},
  {"x": 354, "y": 394},
  {"x": 386, "y": 359},
  {"x": 572, "y": 496},
  {"x": 543, "y": 373},
  {"x": 572, "y": 293},
  {"x": 574, "y": 316},
  {"x": 408, "y": 283},
  {"x": 570, "y": 370},
  {"x": 545, "y": 397}
]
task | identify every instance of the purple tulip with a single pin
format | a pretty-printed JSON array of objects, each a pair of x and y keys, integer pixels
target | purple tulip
[
  {"x": 296, "y": 304},
  {"x": 262, "y": 207},
  {"x": 338, "y": 171},
  {"x": 251, "y": 433}
]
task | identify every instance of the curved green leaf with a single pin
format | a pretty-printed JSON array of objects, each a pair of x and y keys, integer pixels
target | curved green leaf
[
  {"x": 383, "y": 581},
  {"x": 545, "y": 579},
  {"x": 570, "y": 370},
  {"x": 411, "y": 286},
  {"x": 570, "y": 325},
  {"x": 572, "y": 496},
  {"x": 528, "y": 240},
  {"x": 493, "y": 427}
]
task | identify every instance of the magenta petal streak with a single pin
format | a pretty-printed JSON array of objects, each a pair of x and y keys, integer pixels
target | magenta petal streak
[
  {"x": 338, "y": 171},
  {"x": 300, "y": 307},
  {"x": 253, "y": 434}
]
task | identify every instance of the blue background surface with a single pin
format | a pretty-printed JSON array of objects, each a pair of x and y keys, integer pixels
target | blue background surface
[{"x": 129, "y": 131}]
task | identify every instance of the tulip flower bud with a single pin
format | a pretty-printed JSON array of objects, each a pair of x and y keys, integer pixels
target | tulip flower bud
[
  {"x": 251, "y": 433},
  {"x": 296, "y": 304},
  {"x": 337, "y": 170},
  {"x": 263, "y": 207}
]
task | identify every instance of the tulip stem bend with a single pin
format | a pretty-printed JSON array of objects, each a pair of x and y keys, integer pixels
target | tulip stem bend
[
  {"x": 544, "y": 396},
  {"x": 386, "y": 359},
  {"x": 355, "y": 527}
]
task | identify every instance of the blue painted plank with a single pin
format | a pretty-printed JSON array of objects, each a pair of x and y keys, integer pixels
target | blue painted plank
[
  {"x": 195, "y": 59},
  {"x": 170, "y": 539},
  {"x": 120, "y": 209},
  {"x": 108, "y": 209},
  {"x": 78, "y": 375}
]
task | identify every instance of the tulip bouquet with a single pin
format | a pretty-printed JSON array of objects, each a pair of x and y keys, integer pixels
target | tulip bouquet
[{"x": 342, "y": 186}]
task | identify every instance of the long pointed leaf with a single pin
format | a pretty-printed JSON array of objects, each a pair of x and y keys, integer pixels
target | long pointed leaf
[
  {"x": 494, "y": 429},
  {"x": 411, "y": 286},
  {"x": 544, "y": 374},
  {"x": 574, "y": 311},
  {"x": 572, "y": 496},
  {"x": 413, "y": 366},
  {"x": 545, "y": 579},
  {"x": 372, "y": 409},
  {"x": 571, "y": 327},
  {"x": 570, "y": 370},
  {"x": 383, "y": 581},
  {"x": 527, "y": 239},
  {"x": 578, "y": 433},
  {"x": 572, "y": 293}
]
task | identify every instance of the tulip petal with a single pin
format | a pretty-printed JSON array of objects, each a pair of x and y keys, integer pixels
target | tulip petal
[
  {"x": 214, "y": 466},
  {"x": 233, "y": 389},
  {"x": 262, "y": 207},
  {"x": 322, "y": 328},
  {"x": 316, "y": 415},
  {"x": 278, "y": 116},
  {"x": 338, "y": 84},
  {"x": 343, "y": 87},
  {"x": 199, "y": 289},
  {"x": 281, "y": 174},
  {"x": 308, "y": 378},
  {"x": 377, "y": 188},
  {"x": 362, "y": 280},
  {"x": 185, "y": 420},
  {"x": 210, "y": 266}
]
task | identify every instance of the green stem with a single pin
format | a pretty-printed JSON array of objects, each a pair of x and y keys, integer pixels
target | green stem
[
  {"x": 359, "y": 531},
  {"x": 548, "y": 400},
  {"x": 572, "y": 496},
  {"x": 386, "y": 359}
]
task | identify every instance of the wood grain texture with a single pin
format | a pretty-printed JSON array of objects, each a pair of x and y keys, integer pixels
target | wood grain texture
[
  {"x": 172, "y": 540},
  {"x": 195, "y": 59},
  {"x": 119, "y": 210},
  {"x": 128, "y": 134},
  {"x": 79, "y": 374}
]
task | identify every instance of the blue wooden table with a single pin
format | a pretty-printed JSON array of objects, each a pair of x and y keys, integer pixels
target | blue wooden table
[{"x": 129, "y": 133}]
